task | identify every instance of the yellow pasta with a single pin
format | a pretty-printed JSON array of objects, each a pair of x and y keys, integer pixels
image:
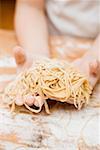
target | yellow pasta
[{"x": 50, "y": 79}]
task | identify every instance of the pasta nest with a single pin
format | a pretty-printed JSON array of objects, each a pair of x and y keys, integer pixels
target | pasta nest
[{"x": 50, "y": 79}]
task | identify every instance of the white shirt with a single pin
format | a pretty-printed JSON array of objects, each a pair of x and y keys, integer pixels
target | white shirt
[{"x": 74, "y": 17}]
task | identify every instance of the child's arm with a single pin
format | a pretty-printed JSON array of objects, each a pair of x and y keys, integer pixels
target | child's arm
[{"x": 31, "y": 27}]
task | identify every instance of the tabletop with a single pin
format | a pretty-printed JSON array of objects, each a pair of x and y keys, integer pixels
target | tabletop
[{"x": 65, "y": 128}]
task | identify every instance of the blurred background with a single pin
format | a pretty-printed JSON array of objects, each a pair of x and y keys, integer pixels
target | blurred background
[{"x": 6, "y": 13}]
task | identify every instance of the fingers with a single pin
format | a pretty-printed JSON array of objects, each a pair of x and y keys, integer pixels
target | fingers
[
  {"x": 38, "y": 101},
  {"x": 94, "y": 72},
  {"x": 33, "y": 100},
  {"x": 95, "y": 68},
  {"x": 19, "y": 55},
  {"x": 19, "y": 101},
  {"x": 29, "y": 100}
]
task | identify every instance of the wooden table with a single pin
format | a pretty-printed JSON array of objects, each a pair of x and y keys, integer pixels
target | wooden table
[{"x": 65, "y": 129}]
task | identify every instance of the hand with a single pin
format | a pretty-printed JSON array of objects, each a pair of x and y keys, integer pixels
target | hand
[
  {"x": 23, "y": 63},
  {"x": 89, "y": 65}
]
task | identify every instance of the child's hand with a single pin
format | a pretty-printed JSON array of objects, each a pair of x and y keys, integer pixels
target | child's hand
[
  {"x": 23, "y": 63},
  {"x": 89, "y": 65}
]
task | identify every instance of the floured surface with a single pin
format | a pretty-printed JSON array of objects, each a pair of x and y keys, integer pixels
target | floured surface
[{"x": 66, "y": 127}]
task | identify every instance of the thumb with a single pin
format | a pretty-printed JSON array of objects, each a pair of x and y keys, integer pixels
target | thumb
[{"x": 19, "y": 55}]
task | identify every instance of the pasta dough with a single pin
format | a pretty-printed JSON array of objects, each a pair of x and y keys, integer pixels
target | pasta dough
[{"x": 50, "y": 79}]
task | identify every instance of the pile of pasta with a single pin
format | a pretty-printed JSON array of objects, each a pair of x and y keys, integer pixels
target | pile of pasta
[{"x": 51, "y": 80}]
